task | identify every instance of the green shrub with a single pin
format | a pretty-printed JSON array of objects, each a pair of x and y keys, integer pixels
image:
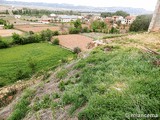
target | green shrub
[
  {"x": 42, "y": 104},
  {"x": 8, "y": 26},
  {"x": 77, "y": 50},
  {"x": 22, "y": 107},
  {"x": 21, "y": 75},
  {"x": 114, "y": 30},
  {"x": 98, "y": 26},
  {"x": 62, "y": 74},
  {"x": 16, "y": 38},
  {"x": 64, "y": 60},
  {"x": 61, "y": 86},
  {"x": 2, "y": 22},
  {"x": 85, "y": 30},
  {"x": 32, "y": 65},
  {"x": 31, "y": 32},
  {"x": 74, "y": 30},
  {"x": 46, "y": 35},
  {"x": 56, "y": 33},
  {"x": 3, "y": 44},
  {"x": 55, "y": 41},
  {"x": 141, "y": 23}
]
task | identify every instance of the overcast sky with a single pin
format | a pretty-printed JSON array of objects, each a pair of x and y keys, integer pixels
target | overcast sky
[{"x": 147, "y": 4}]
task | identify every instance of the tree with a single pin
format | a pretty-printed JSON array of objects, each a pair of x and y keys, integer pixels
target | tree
[
  {"x": 121, "y": 13},
  {"x": 141, "y": 23},
  {"x": 106, "y": 14},
  {"x": 76, "y": 28},
  {"x": 117, "y": 13},
  {"x": 98, "y": 26},
  {"x": 78, "y": 24},
  {"x": 46, "y": 35}
]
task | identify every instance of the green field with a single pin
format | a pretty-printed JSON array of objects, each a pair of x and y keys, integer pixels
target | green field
[{"x": 14, "y": 62}]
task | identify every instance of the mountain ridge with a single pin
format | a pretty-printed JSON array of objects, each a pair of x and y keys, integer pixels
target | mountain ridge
[{"x": 64, "y": 6}]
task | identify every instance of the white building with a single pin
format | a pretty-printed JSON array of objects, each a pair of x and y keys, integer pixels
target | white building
[
  {"x": 17, "y": 16},
  {"x": 129, "y": 19},
  {"x": 67, "y": 18}
]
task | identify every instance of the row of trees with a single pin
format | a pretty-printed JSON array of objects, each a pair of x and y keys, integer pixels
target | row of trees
[
  {"x": 117, "y": 13},
  {"x": 32, "y": 37},
  {"x": 36, "y": 12},
  {"x": 96, "y": 26},
  {"x": 45, "y": 35}
]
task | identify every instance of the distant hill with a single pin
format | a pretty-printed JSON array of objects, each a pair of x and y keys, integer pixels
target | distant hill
[{"x": 56, "y": 6}]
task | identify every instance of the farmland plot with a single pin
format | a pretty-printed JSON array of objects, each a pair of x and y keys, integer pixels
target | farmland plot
[
  {"x": 72, "y": 41},
  {"x": 5, "y": 33},
  {"x": 36, "y": 28}
]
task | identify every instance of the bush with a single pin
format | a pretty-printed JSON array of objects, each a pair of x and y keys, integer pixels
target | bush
[
  {"x": 8, "y": 26},
  {"x": 98, "y": 26},
  {"x": 55, "y": 33},
  {"x": 85, "y": 30},
  {"x": 141, "y": 23},
  {"x": 74, "y": 30},
  {"x": 16, "y": 38},
  {"x": 32, "y": 65},
  {"x": 2, "y": 22},
  {"x": 56, "y": 41},
  {"x": 61, "y": 86},
  {"x": 3, "y": 44},
  {"x": 62, "y": 74},
  {"x": 114, "y": 30},
  {"x": 77, "y": 50},
  {"x": 46, "y": 35},
  {"x": 31, "y": 32},
  {"x": 21, "y": 75}
]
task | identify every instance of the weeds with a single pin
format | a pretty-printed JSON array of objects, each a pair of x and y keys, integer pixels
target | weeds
[
  {"x": 111, "y": 85},
  {"x": 22, "y": 107}
]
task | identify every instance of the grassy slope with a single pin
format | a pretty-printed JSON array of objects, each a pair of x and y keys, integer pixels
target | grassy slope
[
  {"x": 110, "y": 84},
  {"x": 16, "y": 58},
  {"x": 115, "y": 83}
]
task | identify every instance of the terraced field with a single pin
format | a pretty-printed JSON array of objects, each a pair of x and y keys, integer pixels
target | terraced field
[{"x": 16, "y": 59}]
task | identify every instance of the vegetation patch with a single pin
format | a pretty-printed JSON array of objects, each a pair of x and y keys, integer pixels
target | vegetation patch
[
  {"x": 110, "y": 85},
  {"x": 22, "y": 107},
  {"x": 20, "y": 62},
  {"x": 62, "y": 74}
]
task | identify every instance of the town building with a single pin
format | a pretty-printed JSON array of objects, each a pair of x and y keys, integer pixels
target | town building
[
  {"x": 129, "y": 20},
  {"x": 17, "y": 16}
]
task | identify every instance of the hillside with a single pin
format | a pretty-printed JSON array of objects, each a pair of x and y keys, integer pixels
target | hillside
[{"x": 110, "y": 82}]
